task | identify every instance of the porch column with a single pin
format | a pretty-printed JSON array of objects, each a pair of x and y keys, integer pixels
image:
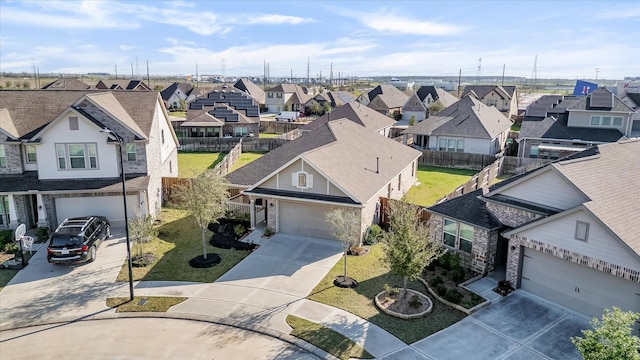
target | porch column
[
  {"x": 13, "y": 216},
  {"x": 252, "y": 213},
  {"x": 42, "y": 212}
]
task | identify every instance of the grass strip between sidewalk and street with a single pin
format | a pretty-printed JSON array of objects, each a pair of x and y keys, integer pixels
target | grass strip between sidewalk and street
[
  {"x": 144, "y": 303},
  {"x": 372, "y": 273},
  {"x": 328, "y": 340}
]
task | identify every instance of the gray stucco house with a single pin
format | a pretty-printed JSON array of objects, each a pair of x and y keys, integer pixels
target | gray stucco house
[{"x": 56, "y": 161}]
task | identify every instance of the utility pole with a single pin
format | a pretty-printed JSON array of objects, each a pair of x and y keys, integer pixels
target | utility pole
[
  {"x": 197, "y": 75},
  {"x": 116, "y": 68},
  {"x": 131, "y": 71},
  {"x": 479, "y": 71},
  {"x": 459, "y": 78},
  {"x": 503, "y": 66},
  {"x": 597, "y": 72},
  {"x": 534, "y": 74},
  {"x": 148, "y": 78},
  {"x": 291, "y": 75},
  {"x": 331, "y": 77},
  {"x": 307, "y": 71}
]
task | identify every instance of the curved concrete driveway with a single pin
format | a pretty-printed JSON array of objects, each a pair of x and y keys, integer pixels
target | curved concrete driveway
[{"x": 143, "y": 338}]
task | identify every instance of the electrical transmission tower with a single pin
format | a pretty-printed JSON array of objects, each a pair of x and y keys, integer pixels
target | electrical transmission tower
[
  {"x": 534, "y": 73},
  {"x": 479, "y": 71}
]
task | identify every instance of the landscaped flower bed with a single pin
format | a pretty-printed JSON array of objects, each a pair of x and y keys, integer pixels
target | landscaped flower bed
[
  {"x": 227, "y": 233},
  {"x": 443, "y": 277}
]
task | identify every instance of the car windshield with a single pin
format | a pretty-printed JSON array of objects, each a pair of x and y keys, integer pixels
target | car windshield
[{"x": 66, "y": 240}]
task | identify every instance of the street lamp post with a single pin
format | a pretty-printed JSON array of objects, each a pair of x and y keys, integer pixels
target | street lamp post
[{"x": 124, "y": 200}]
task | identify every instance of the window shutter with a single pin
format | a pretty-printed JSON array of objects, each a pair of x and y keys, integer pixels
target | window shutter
[
  {"x": 294, "y": 179},
  {"x": 309, "y": 181}
]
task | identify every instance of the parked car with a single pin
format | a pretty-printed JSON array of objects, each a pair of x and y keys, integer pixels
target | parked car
[
  {"x": 289, "y": 116},
  {"x": 77, "y": 240}
]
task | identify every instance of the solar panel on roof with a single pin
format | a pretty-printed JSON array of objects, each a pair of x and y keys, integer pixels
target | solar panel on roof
[{"x": 601, "y": 100}]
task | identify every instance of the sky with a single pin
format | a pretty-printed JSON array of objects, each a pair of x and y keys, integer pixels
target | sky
[{"x": 571, "y": 39}]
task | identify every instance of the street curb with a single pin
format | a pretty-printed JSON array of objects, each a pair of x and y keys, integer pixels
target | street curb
[{"x": 190, "y": 317}]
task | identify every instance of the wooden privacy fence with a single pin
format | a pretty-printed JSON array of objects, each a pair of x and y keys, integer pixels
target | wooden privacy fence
[
  {"x": 483, "y": 178},
  {"x": 456, "y": 159},
  {"x": 170, "y": 184},
  {"x": 385, "y": 210},
  {"x": 249, "y": 144},
  {"x": 278, "y": 127}
]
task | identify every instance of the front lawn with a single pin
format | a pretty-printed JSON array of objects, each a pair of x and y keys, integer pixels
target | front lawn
[
  {"x": 435, "y": 183},
  {"x": 194, "y": 164},
  {"x": 268, "y": 135},
  {"x": 144, "y": 303},
  {"x": 178, "y": 242},
  {"x": 372, "y": 274}
]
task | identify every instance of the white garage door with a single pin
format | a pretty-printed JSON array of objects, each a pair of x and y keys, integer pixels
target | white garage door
[
  {"x": 109, "y": 206},
  {"x": 303, "y": 219},
  {"x": 575, "y": 286}
]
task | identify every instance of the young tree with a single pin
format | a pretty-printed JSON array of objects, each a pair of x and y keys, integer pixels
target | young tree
[
  {"x": 412, "y": 120},
  {"x": 141, "y": 230},
  {"x": 611, "y": 337},
  {"x": 435, "y": 108},
  {"x": 315, "y": 107},
  {"x": 205, "y": 198},
  {"x": 326, "y": 107},
  {"x": 344, "y": 225},
  {"x": 407, "y": 247}
]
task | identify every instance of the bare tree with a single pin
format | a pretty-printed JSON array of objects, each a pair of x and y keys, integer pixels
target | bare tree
[
  {"x": 407, "y": 247},
  {"x": 345, "y": 226},
  {"x": 141, "y": 230},
  {"x": 205, "y": 198}
]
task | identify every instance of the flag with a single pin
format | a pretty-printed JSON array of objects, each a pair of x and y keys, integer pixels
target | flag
[{"x": 583, "y": 88}]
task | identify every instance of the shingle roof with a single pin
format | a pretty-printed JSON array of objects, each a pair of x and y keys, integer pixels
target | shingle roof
[
  {"x": 67, "y": 84},
  {"x": 584, "y": 102},
  {"x": 29, "y": 181},
  {"x": 610, "y": 180},
  {"x": 414, "y": 103},
  {"x": 250, "y": 88},
  {"x": 469, "y": 209},
  {"x": 482, "y": 90},
  {"x": 355, "y": 112},
  {"x": 171, "y": 89},
  {"x": 468, "y": 117},
  {"x": 390, "y": 94},
  {"x": 292, "y": 89},
  {"x": 550, "y": 128}
]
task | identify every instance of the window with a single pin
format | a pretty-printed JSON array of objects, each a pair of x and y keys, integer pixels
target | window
[
  {"x": 466, "y": 237},
  {"x": 533, "y": 151},
  {"x": 399, "y": 181},
  {"x": 162, "y": 135},
  {"x": 302, "y": 179},
  {"x": 77, "y": 156},
  {"x": 240, "y": 131},
  {"x": 3, "y": 157},
  {"x": 413, "y": 169},
  {"x": 617, "y": 121},
  {"x": 582, "y": 231},
  {"x": 30, "y": 150},
  {"x": 460, "y": 147},
  {"x": 270, "y": 95},
  {"x": 451, "y": 145},
  {"x": 131, "y": 152},
  {"x": 606, "y": 120},
  {"x": 450, "y": 233},
  {"x": 442, "y": 145},
  {"x": 279, "y": 95},
  {"x": 73, "y": 123},
  {"x": 595, "y": 120}
]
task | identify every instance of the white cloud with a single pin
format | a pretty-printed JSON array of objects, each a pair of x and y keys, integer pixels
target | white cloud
[
  {"x": 126, "y": 47},
  {"x": 387, "y": 22},
  {"x": 274, "y": 19}
]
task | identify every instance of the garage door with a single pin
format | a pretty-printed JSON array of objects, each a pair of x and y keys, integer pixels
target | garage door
[
  {"x": 575, "y": 286},
  {"x": 303, "y": 219},
  {"x": 109, "y": 206}
]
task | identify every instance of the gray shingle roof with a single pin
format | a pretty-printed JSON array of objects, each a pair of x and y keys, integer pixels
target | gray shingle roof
[
  {"x": 29, "y": 181},
  {"x": 390, "y": 94},
  {"x": 584, "y": 102},
  {"x": 67, "y": 84},
  {"x": 250, "y": 88},
  {"x": 469, "y": 209},
  {"x": 355, "y": 112},
  {"x": 482, "y": 90},
  {"x": 550, "y": 128}
]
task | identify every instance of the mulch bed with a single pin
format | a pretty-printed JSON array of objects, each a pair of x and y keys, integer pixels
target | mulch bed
[
  {"x": 345, "y": 282},
  {"x": 224, "y": 236},
  {"x": 398, "y": 302},
  {"x": 200, "y": 262},
  {"x": 468, "y": 299}
]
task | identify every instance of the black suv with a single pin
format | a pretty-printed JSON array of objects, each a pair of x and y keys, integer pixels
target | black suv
[{"x": 77, "y": 239}]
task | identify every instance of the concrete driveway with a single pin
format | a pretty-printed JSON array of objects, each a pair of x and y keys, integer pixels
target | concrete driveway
[
  {"x": 519, "y": 326},
  {"x": 42, "y": 292},
  {"x": 267, "y": 284},
  {"x": 143, "y": 338}
]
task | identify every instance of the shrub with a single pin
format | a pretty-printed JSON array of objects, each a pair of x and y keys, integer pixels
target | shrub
[
  {"x": 357, "y": 250},
  {"x": 11, "y": 248},
  {"x": 239, "y": 230},
  {"x": 42, "y": 233},
  {"x": 441, "y": 290},
  {"x": 268, "y": 231},
  {"x": 456, "y": 275},
  {"x": 437, "y": 280},
  {"x": 415, "y": 302},
  {"x": 453, "y": 295},
  {"x": 391, "y": 290},
  {"x": 449, "y": 260},
  {"x": 6, "y": 236},
  {"x": 373, "y": 234},
  {"x": 143, "y": 260}
]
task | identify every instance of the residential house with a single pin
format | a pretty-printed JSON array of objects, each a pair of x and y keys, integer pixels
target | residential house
[
  {"x": 575, "y": 124},
  {"x": 129, "y": 85},
  {"x": 67, "y": 84},
  {"x": 417, "y": 105},
  {"x": 466, "y": 126},
  {"x": 340, "y": 164},
  {"x": 289, "y": 97},
  {"x": 252, "y": 89},
  {"x": 505, "y": 98},
  {"x": 223, "y": 113},
  {"x": 329, "y": 99},
  {"x": 358, "y": 113},
  {"x": 386, "y": 99},
  {"x": 56, "y": 161},
  {"x": 178, "y": 95},
  {"x": 559, "y": 235}
]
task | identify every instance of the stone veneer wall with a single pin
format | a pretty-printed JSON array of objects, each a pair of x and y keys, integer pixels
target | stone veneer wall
[
  {"x": 520, "y": 242},
  {"x": 510, "y": 216},
  {"x": 272, "y": 213},
  {"x": 14, "y": 160}
]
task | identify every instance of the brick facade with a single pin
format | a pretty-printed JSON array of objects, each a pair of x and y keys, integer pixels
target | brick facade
[
  {"x": 510, "y": 216},
  {"x": 14, "y": 159}
]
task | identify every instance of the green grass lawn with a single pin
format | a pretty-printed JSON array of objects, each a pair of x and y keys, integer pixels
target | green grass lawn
[
  {"x": 246, "y": 158},
  {"x": 372, "y": 274},
  {"x": 178, "y": 242},
  {"x": 7, "y": 274},
  {"x": 326, "y": 339},
  {"x": 194, "y": 164},
  {"x": 435, "y": 183},
  {"x": 152, "y": 303},
  {"x": 179, "y": 114},
  {"x": 268, "y": 135}
]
